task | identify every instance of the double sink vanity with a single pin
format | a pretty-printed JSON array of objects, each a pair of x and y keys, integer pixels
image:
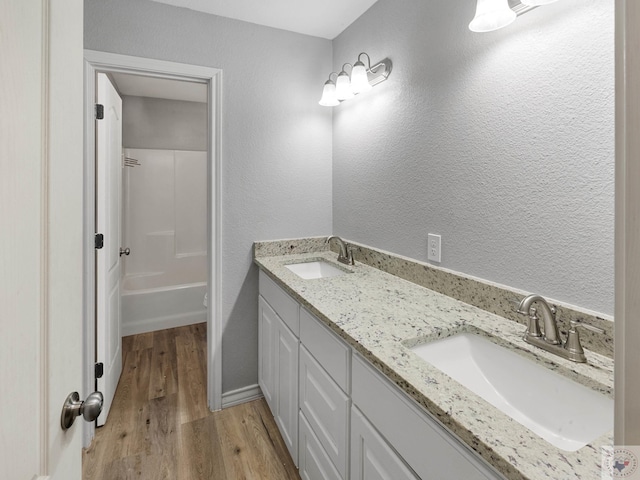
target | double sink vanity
[{"x": 369, "y": 375}]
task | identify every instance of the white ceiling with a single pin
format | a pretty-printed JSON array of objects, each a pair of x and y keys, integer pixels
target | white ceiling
[
  {"x": 319, "y": 18},
  {"x": 140, "y": 86}
]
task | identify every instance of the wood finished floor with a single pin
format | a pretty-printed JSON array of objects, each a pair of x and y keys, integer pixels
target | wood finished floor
[{"x": 160, "y": 427}]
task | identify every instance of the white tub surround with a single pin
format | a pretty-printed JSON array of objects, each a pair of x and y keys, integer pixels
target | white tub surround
[
  {"x": 379, "y": 314},
  {"x": 165, "y": 226},
  {"x": 151, "y": 309},
  {"x": 165, "y": 213}
]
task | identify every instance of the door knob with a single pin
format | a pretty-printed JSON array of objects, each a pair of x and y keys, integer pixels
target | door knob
[
  {"x": 73, "y": 406},
  {"x": 125, "y": 251}
]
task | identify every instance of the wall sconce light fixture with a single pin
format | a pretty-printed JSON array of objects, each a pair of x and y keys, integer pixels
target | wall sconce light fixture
[
  {"x": 361, "y": 79},
  {"x": 494, "y": 14}
]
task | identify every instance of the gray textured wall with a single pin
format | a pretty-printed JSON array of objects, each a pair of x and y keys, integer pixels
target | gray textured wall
[
  {"x": 502, "y": 142},
  {"x": 163, "y": 124},
  {"x": 276, "y": 139}
]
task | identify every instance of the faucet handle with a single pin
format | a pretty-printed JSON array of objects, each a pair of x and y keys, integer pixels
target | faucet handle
[
  {"x": 350, "y": 258},
  {"x": 573, "y": 345},
  {"x": 533, "y": 329},
  {"x": 580, "y": 323}
]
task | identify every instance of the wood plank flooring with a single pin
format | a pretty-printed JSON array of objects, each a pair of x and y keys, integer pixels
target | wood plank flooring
[{"x": 160, "y": 427}]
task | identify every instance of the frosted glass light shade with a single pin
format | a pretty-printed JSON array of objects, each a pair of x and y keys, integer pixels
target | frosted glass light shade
[
  {"x": 536, "y": 3},
  {"x": 491, "y": 15},
  {"x": 329, "y": 98},
  {"x": 359, "y": 79},
  {"x": 343, "y": 87}
]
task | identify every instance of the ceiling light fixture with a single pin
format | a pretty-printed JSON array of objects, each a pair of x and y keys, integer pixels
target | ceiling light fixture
[
  {"x": 361, "y": 79},
  {"x": 494, "y": 14}
]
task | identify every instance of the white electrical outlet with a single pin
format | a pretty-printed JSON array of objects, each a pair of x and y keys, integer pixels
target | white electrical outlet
[{"x": 433, "y": 247}]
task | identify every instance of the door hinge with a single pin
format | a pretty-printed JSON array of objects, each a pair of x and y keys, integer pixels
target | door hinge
[
  {"x": 99, "y": 370},
  {"x": 99, "y": 241},
  {"x": 99, "y": 111}
]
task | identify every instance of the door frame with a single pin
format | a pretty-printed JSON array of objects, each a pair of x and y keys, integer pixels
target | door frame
[
  {"x": 95, "y": 61},
  {"x": 627, "y": 224}
]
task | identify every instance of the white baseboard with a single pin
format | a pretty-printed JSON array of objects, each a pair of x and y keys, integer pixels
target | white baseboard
[
  {"x": 162, "y": 323},
  {"x": 241, "y": 395}
]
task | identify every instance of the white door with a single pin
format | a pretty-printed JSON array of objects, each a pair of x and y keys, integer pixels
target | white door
[
  {"x": 108, "y": 207},
  {"x": 41, "y": 184}
]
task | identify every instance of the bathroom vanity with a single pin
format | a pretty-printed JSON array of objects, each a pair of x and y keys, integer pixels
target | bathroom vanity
[{"x": 353, "y": 400}]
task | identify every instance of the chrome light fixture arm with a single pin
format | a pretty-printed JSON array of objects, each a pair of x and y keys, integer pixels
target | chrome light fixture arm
[
  {"x": 379, "y": 72},
  {"x": 329, "y": 79}
]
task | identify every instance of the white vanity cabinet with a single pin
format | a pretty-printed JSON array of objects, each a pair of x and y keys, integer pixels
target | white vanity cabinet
[
  {"x": 340, "y": 417},
  {"x": 278, "y": 327}
]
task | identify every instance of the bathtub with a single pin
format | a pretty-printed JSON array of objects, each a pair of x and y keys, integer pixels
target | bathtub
[{"x": 148, "y": 304}]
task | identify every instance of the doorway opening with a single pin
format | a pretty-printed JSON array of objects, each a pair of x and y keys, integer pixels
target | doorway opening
[{"x": 177, "y": 244}]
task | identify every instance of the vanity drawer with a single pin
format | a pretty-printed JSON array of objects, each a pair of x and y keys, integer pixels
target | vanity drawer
[
  {"x": 285, "y": 306},
  {"x": 314, "y": 464},
  {"x": 326, "y": 407},
  {"x": 327, "y": 348}
]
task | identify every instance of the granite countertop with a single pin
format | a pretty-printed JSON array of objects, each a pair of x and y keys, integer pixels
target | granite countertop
[{"x": 380, "y": 315}]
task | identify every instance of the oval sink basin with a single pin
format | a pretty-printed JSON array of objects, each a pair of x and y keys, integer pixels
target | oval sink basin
[
  {"x": 565, "y": 413},
  {"x": 315, "y": 269}
]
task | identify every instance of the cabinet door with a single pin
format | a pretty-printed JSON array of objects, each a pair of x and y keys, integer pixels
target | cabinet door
[
  {"x": 286, "y": 395},
  {"x": 371, "y": 456},
  {"x": 267, "y": 325}
]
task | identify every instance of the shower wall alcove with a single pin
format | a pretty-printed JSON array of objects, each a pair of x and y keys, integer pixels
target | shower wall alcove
[{"x": 164, "y": 278}]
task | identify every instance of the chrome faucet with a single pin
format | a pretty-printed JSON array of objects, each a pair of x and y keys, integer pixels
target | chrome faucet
[
  {"x": 549, "y": 340},
  {"x": 551, "y": 335},
  {"x": 346, "y": 254}
]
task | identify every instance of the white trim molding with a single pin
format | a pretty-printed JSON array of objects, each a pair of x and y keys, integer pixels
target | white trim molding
[
  {"x": 109, "y": 62},
  {"x": 627, "y": 224},
  {"x": 241, "y": 395}
]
